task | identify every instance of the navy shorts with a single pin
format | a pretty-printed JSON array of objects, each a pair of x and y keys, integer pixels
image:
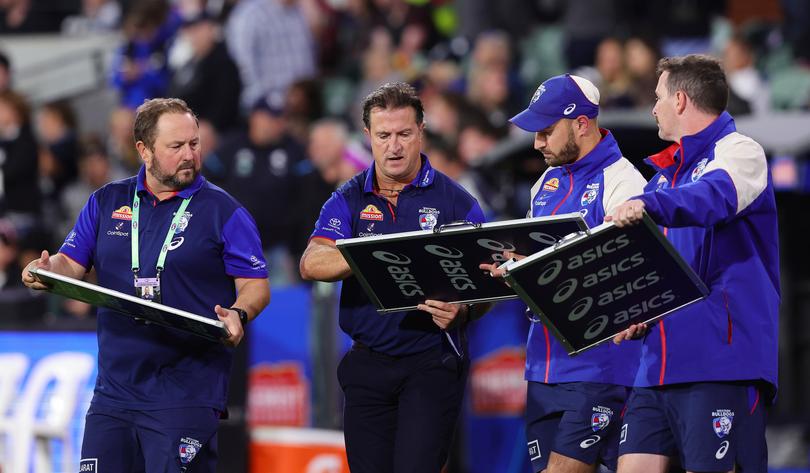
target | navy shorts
[
  {"x": 577, "y": 420},
  {"x": 161, "y": 441},
  {"x": 400, "y": 412},
  {"x": 708, "y": 426}
]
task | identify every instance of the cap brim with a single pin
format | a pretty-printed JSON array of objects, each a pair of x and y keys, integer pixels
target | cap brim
[{"x": 533, "y": 121}]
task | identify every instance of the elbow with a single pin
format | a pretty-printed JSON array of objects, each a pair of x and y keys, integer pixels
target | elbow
[{"x": 305, "y": 270}]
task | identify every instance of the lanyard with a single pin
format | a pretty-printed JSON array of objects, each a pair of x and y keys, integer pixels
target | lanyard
[{"x": 136, "y": 204}]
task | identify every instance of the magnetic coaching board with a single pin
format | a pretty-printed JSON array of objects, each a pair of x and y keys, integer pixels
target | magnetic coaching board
[
  {"x": 400, "y": 270},
  {"x": 133, "y": 306},
  {"x": 590, "y": 287}
]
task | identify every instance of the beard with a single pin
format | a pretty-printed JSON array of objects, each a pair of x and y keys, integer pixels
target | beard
[
  {"x": 173, "y": 181},
  {"x": 567, "y": 155}
]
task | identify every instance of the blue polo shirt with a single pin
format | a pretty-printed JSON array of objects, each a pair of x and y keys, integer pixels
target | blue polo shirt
[
  {"x": 355, "y": 210},
  {"x": 147, "y": 366}
]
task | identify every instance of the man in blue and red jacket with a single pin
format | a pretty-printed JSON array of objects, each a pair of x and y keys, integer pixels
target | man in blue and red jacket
[
  {"x": 574, "y": 403},
  {"x": 697, "y": 392}
]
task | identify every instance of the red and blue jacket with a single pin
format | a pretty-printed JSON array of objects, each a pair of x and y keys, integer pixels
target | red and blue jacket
[
  {"x": 594, "y": 185},
  {"x": 713, "y": 196}
]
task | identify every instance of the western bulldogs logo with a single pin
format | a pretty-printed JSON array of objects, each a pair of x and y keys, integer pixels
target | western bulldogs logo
[
  {"x": 588, "y": 197},
  {"x": 722, "y": 420},
  {"x": 600, "y": 418},
  {"x": 189, "y": 448},
  {"x": 538, "y": 93},
  {"x": 698, "y": 171},
  {"x": 427, "y": 221}
]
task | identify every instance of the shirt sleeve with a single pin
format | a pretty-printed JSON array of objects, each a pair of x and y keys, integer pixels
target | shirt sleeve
[
  {"x": 242, "y": 254},
  {"x": 335, "y": 221},
  {"x": 476, "y": 214},
  {"x": 80, "y": 242},
  {"x": 728, "y": 185},
  {"x": 622, "y": 181}
]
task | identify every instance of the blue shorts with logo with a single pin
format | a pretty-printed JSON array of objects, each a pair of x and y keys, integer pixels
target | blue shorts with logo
[
  {"x": 160, "y": 441},
  {"x": 708, "y": 426},
  {"x": 577, "y": 420}
]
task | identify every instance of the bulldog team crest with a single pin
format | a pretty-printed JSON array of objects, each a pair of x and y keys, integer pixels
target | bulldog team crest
[
  {"x": 428, "y": 218},
  {"x": 183, "y": 223},
  {"x": 600, "y": 418},
  {"x": 721, "y": 421},
  {"x": 538, "y": 93},
  {"x": 698, "y": 171},
  {"x": 427, "y": 221},
  {"x": 371, "y": 212},
  {"x": 189, "y": 448},
  {"x": 588, "y": 197}
]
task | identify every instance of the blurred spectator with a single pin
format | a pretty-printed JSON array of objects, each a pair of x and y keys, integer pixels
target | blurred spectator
[
  {"x": 586, "y": 23},
  {"x": 95, "y": 170},
  {"x": 404, "y": 18},
  {"x": 442, "y": 114},
  {"x": 9, "y": 267},
  {"x": 5, "y": 72},
  {"x": 59, "y": 147},
  {"x": 120, "y": 146},
  {"x": 330, "y": 153},
  {"x": 443, "y": 156},
  {"x": 20, "y": 196},
  {"x": 491, "y": 82},
  {"x": 272, "y": 44},
  {"x": 140, "y": 69},
  {"x": 641, "y": 57},
  {"x": 613, "y": 81},
  {"x": 744, "y": 80},
  {"x": 303, "y": 106},
  {"x": 378, "y": 69},
  {"x": 97, "y": 16},
  {"x": 477, "y": 137},
  {"x": 258, "y": 168},
  {"x": 209, "y": 82},
  {"x": 30, "y": 16}
]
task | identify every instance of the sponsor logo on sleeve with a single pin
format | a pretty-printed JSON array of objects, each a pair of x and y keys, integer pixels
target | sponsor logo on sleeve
[
  {"x": 551, "y": 185},
  {"x": 371, "y": 212},
  {"x": 122, "y": 213}
]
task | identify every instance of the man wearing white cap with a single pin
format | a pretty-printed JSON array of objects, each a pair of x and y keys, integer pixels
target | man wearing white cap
[{"x": 574, "y": 403}]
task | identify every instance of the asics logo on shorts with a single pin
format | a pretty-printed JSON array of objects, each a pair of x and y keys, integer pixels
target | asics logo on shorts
[
  {"x": 721, "y": 452},
  {"x": 593, "y": 439}
]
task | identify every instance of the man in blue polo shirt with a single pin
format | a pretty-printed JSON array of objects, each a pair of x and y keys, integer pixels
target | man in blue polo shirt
[
  {"x": 160, "y": 392},
  {"x": 707, "y": 369},
  {"x": 404, "y": 378},
  {"x": 574, "y": 404}
]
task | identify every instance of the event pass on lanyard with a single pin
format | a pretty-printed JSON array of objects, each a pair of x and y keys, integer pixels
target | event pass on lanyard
[{"x": 149, "y": 288}]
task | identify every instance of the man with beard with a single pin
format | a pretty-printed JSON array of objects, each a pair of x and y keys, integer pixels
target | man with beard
[
  {"x": 160, "y": 392},
  {"x": 574, "y": 403}
]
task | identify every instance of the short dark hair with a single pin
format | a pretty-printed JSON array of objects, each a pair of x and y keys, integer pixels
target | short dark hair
[
  {"x": 393, "y": 95},
  {"x": 148, "y": 114},
  {"x": 700, "y": 77}
]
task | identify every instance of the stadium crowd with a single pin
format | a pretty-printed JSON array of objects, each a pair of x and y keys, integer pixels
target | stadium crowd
[{"x": 277, "y": 85}]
